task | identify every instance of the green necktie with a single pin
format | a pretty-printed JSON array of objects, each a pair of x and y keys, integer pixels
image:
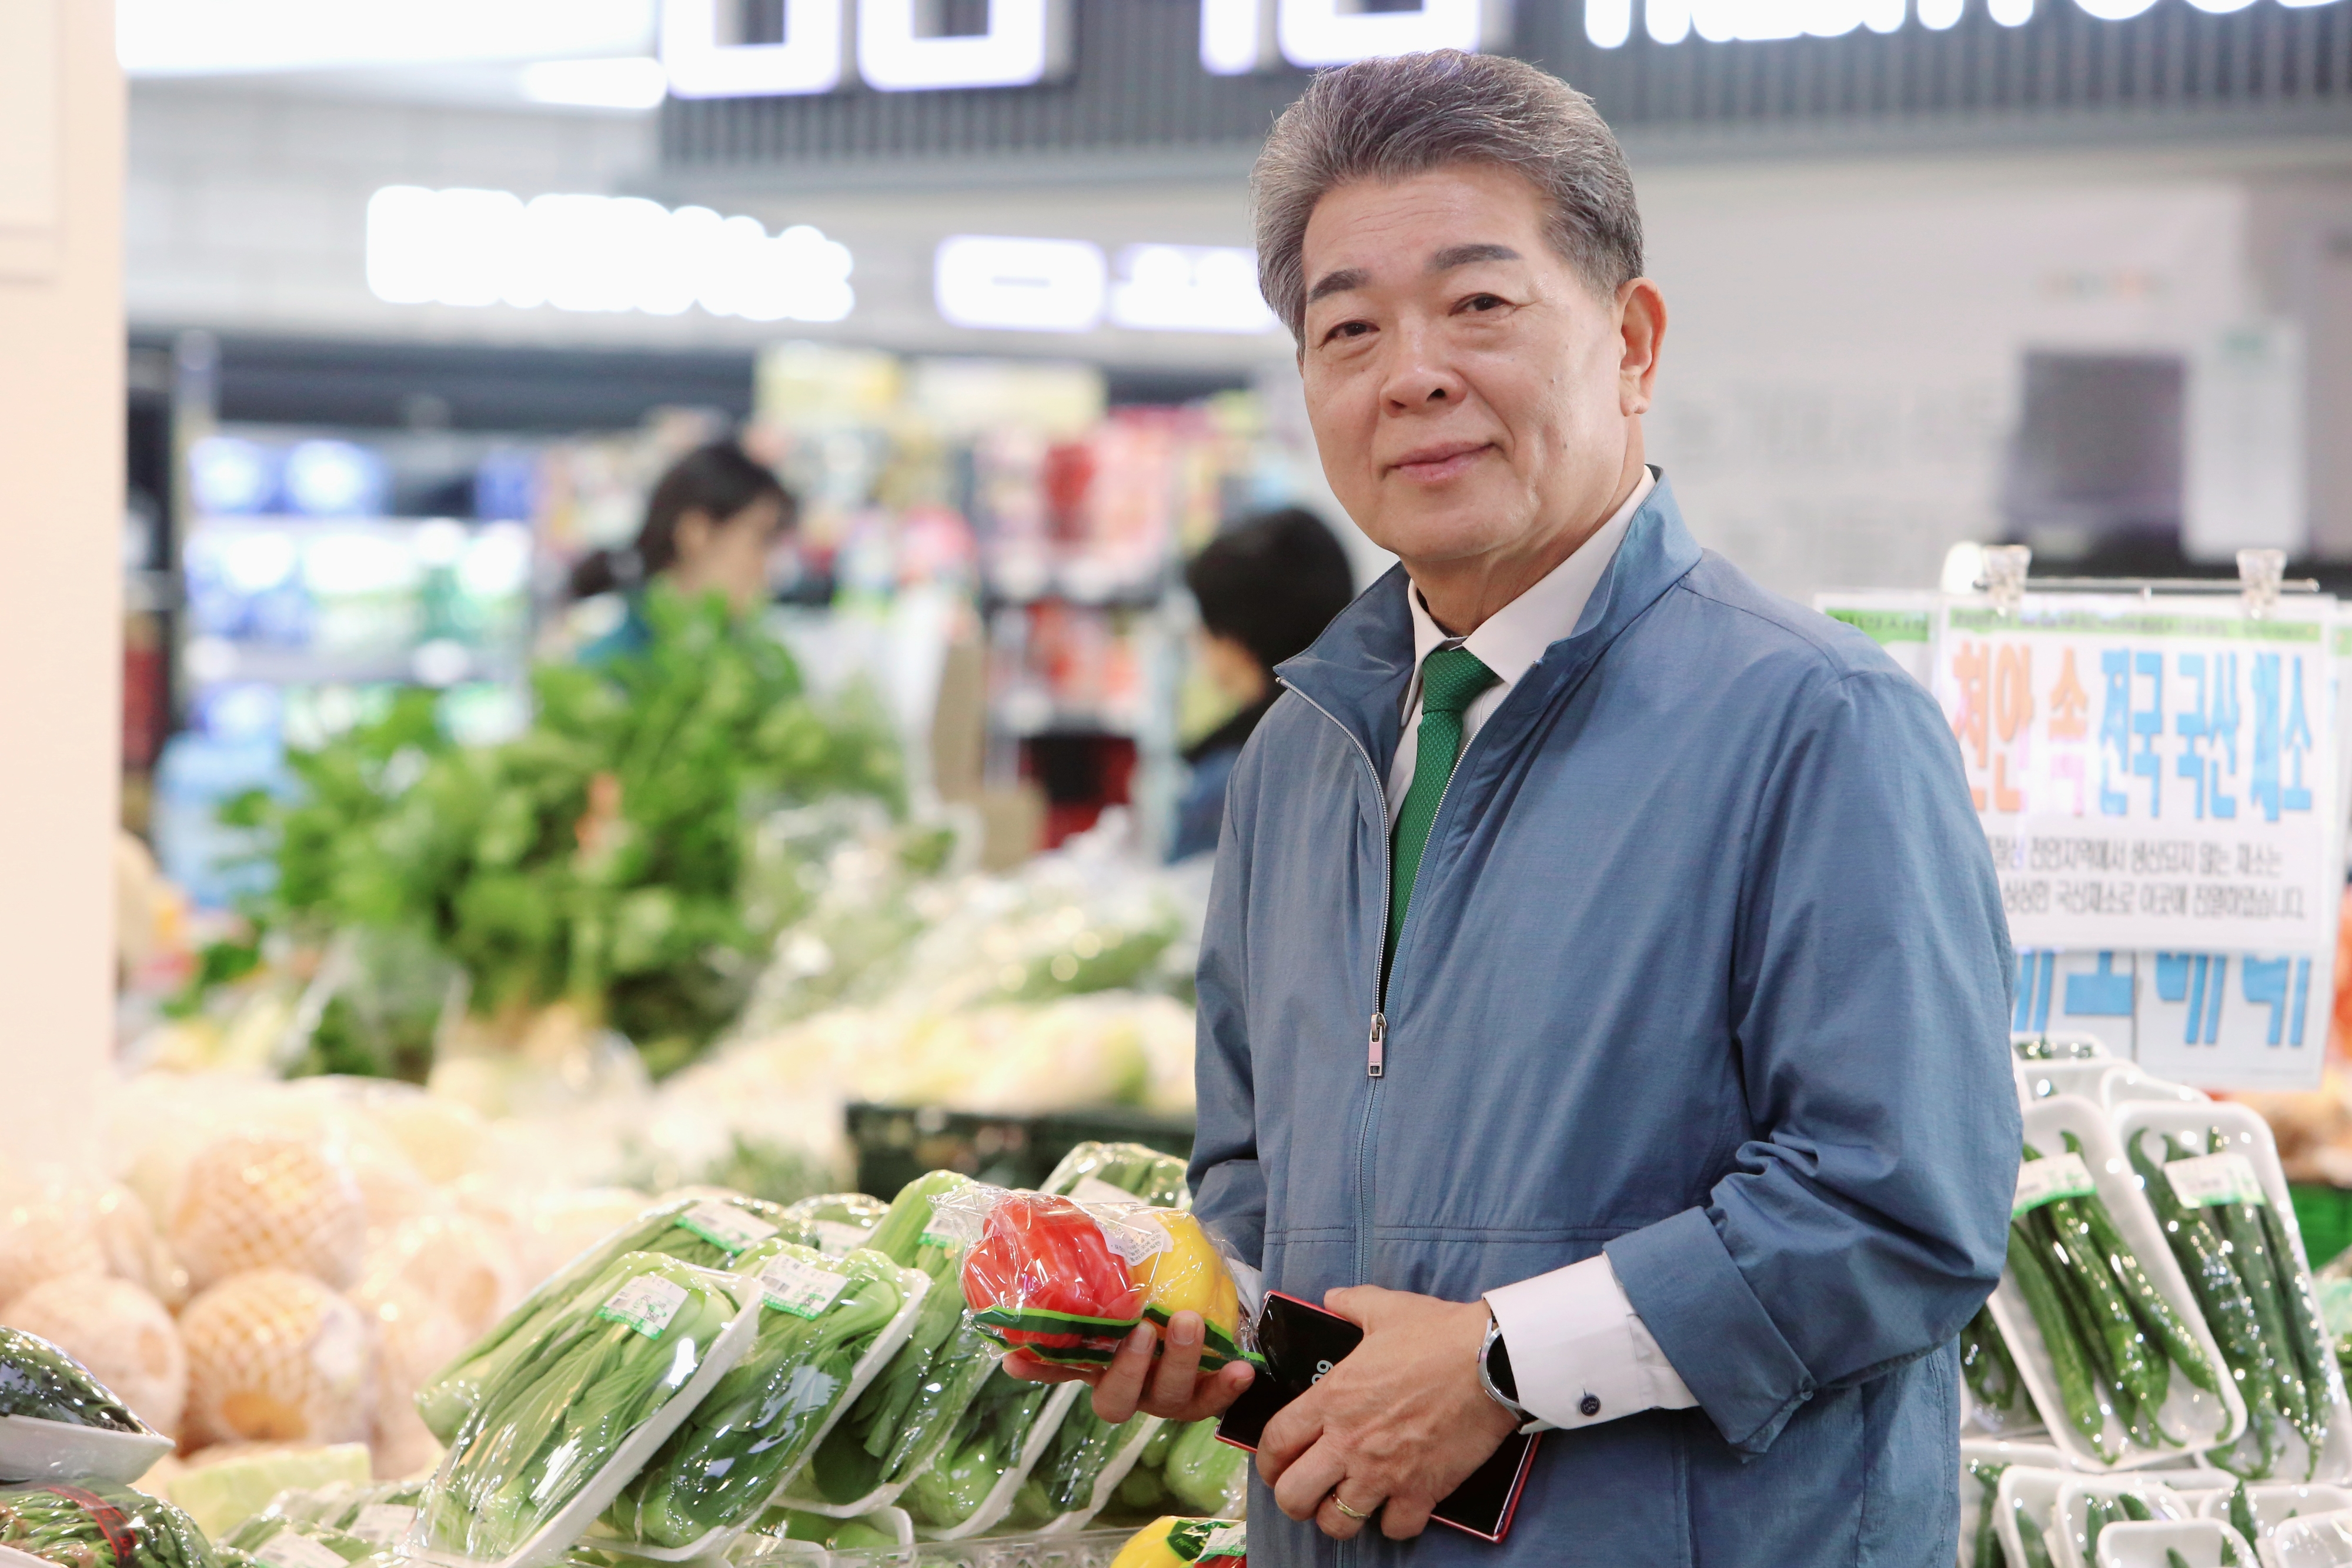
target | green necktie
[{"x": 1451, "y": 680}]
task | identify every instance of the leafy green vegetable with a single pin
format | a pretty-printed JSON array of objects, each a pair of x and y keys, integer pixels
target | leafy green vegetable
[
  {"x": 38, "y": 1380},
  {"x": 96, "y": 1524},
  {"x": 604, "y": 855}
]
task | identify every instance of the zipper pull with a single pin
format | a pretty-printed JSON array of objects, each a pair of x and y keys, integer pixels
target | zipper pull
[{"x": 1379, "y": 1042}]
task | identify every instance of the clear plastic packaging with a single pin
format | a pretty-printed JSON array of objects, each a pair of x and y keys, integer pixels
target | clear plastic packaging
[
  {"x": 279, "y": 1541},
  {"x": 1184, "y": 1543},
  {"x": 708, "y": 1232},
  {"x": 836, "y": 1222},
  {"x": 2197, "y": 1543},
  {"x": 579, "y": 1405},
  {"x": 972, "y": 1485},
  {"x": 893, "y": 1430},
  {"x": 77, "y": 1524},
  {"x": 1094, "y": 1172},
  {"x": 826, "y": 1324}
]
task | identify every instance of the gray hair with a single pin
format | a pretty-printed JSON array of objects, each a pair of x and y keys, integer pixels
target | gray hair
[{"x": 1391, "y": 119}]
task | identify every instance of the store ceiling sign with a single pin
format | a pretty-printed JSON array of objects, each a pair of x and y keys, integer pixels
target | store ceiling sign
[
  {"x": 1238, "y": 36},
  {"x": 1005, "y": 284},
  {"x": 1608, "y": 24},
  {"x": 597, "y": 253},
  {"x": 898, "y": 47}
]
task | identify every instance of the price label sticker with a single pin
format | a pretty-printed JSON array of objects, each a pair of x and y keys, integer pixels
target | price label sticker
[
  {"x": 834, "y": 1237},
  {"x": 798, "y": 1288},
  {"x": 646, "y": 1304},
  {"x": 1134, "y": 1236},
  {"x": 1208, "y": 1540},
  {"x": 726, "y": 1227},
  {"x": 383, "y": 1523},
  {"x": 2048, "y": 1179},
  {"x": 1094, "y": 1189},
  {"x": 287, "y": 1550},
  {"x": 2204, "y": 1181}
]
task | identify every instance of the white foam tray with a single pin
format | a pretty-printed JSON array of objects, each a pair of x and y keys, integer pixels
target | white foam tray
[
  {"x": 915, "y": 1283},
  {"x": 2250, "y": 1137},
  {"x": 1130, "y": 1449},
  {"x": 2273, "y": 1502},
  {"x": 2188, "y": 1411},
  {"x": 2199, "y": 1541},
  {"x": 32, "y": 1449},
  {"x": 572, "y": 1521},
  {"x": 2315, "y": 1540},
  {"x": 2033, "y": 1491},
  {"x": 1997, "y": 1451},
  {"x": 2070, "y": 1515}
]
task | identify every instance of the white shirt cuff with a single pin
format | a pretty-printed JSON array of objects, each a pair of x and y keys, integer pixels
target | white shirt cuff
[{"x": 1580, "y": 1352}]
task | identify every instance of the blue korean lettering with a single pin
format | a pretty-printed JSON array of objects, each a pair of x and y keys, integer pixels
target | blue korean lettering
[
  {"x": 2115, "y": 726},
  {"x": 2209, "y": 729},
  {"x": 2149, "y": 725},
  {"x": 2282, "y": 739},
  {"x": 2265, "y": 983}
]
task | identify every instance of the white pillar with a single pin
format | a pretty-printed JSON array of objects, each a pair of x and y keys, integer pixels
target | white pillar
[{"x": 61, "y": 461}]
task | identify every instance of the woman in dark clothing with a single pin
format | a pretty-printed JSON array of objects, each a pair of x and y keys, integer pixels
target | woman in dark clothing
[
  {"x": 709, "y": 528},
  {"x": 1266, "y": 587}
]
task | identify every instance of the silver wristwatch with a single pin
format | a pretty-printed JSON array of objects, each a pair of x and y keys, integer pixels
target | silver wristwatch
[{"x": 1489, "y": 1353}]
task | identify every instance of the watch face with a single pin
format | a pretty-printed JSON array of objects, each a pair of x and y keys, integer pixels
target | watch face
[{"x": 1498, "y": 1369}]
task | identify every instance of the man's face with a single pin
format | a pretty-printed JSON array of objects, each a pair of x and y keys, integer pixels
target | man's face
[{"x": 1469, "y": 392}]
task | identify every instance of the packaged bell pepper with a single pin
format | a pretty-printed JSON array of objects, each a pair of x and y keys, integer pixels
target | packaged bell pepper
[
  {"x": 1044, "y": 1278},
  {"x": 1180, "y": 1542}
]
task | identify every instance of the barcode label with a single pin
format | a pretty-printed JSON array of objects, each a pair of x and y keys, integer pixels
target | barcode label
[
  {"x": 2048, "y": 1179},
  {"x": 798, "y": 1288},
  {"x": 646, "y": 1304},
  {"x": 835, "y": 1237},
  {"x": 725, "y": 1226},
  {"x": 383, "y": 1523},
  {"x": 2204, "y": 1180}
]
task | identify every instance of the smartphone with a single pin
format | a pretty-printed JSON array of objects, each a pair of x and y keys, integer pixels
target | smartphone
[{"x": 1300, "y": 1342}]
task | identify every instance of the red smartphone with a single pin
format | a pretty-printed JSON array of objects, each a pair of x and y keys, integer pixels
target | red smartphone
[{"x": 1300, "y": 1342}]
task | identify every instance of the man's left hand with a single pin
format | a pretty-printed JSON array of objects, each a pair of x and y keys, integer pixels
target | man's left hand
[{"x": 1400, "y": 1421}]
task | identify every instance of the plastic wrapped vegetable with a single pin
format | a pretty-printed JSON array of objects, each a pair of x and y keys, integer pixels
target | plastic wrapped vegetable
[
  {"x": 718, "y": 1469},
  {"x": 1044, "y": 1278},
  {"x": 94, "y": 1524},
  {"x": 1135, "y": 1170},
  {"x": 1177, "y": 1542},
  {"x": 1205, "y": 1474},
  {"x": 836, "y": 1221},
  {"x": 256, "y": 1537},
  {"x": 833, "y": 1534},
  {"x": 38, "y": 1380},
  {"x": 986, "y": 1448},
  {"x": 1989, "y": 1370},
  {"x": 708, "y": 1232},
  {"x": 547, "y": 1427},
  {"x": 904, "y": 1418},
  {"x": 119, "y": 1332}
]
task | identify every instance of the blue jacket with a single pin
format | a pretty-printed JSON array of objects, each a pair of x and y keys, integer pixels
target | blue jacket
[{"x": 1707, "y": 969}]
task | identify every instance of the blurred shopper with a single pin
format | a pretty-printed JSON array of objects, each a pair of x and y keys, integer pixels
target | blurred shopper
[
  {"x": 1604, "y": 999},
  {"x": 709, "y": 528},
  {"x": 1266, "y": 587}
]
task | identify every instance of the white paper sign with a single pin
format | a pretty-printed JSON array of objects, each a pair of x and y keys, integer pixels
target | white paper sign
[
  {"x": 725, "y": 1226},
  {"x": 2204, "y": 1181},
  {"x": 798, "y": 1288},
  {"x": 646, "y": 1304},
  {"x": 2050, "y": 1178},
  {"x": 2156, "y": 774}
]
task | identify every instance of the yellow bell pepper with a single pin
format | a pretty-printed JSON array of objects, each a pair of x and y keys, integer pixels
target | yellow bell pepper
[
  {"x": 1184, "y": 1543},
  {"x": 1189, "y": 1276}
]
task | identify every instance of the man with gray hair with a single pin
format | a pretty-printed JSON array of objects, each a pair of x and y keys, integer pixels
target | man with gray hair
[{"x": 1604, "y": 999}]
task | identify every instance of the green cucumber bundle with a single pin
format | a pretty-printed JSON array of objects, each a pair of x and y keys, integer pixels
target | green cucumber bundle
[
  {"x": 707, "y": 1232},
  {"x": 718, "y": 1469},
  {"x": 546, "y": 1432},
  {"x": 2114, "y": 1342},
  {"x": 97, "y": 1524},
  {"x": 2251, "y": 1287}
]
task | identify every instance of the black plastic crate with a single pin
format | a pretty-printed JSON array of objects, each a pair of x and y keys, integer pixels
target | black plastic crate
[{"x": 895, "y": 1144}]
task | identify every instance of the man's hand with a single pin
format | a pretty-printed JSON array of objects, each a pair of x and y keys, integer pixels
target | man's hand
[
  {"x": 1175, "y": 1388},
  {"x": 1400, "y": 1421}
]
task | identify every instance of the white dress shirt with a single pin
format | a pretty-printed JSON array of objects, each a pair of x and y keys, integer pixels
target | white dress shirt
[{"x": 1574, "y": 1337}]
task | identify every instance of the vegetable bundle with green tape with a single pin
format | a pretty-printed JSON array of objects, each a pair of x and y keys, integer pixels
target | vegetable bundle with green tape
[
  {"x": 2262, "y": 1307},
  {"x": 40, "y": 1381},
  {"x": 899, "y": 1425},
  {"x": 567, "y": 1398},
  {"x": 708, "y": 1232},
  {"x": 2114, "y": 1342},
  {"x": 95, "y": 1524},
  {"x": 721, "y": 1467}
]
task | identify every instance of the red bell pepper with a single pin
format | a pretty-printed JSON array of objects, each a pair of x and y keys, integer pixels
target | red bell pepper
[{"x": 1043, "y": 1279}]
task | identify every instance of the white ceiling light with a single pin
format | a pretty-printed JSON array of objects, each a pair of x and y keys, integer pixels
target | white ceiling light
[
  {"x": 196, "y": 37},
  {"x": 1237, "y": 37},
  {"x": 1019, "y": 285},
  {"x": 1316, "y": 33},
  {"x": 811, "y": 59},
  {"x": 1026, "y": 41},
  {"x": 597, "y": 253},
  {"x": 626, "y": 81},
  {"x": 1190, "y": 288},
  {"x": 1608, "y": 23}
]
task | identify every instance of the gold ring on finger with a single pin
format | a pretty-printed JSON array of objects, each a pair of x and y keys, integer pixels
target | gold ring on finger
[{"x": 1339, "y": 1504}]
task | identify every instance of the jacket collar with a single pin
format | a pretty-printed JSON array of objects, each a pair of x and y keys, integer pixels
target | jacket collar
[{"x": 1357, "y": 671}]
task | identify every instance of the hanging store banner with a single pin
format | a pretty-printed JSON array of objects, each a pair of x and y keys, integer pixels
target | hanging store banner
[{"x": 2152, "y": 773}]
